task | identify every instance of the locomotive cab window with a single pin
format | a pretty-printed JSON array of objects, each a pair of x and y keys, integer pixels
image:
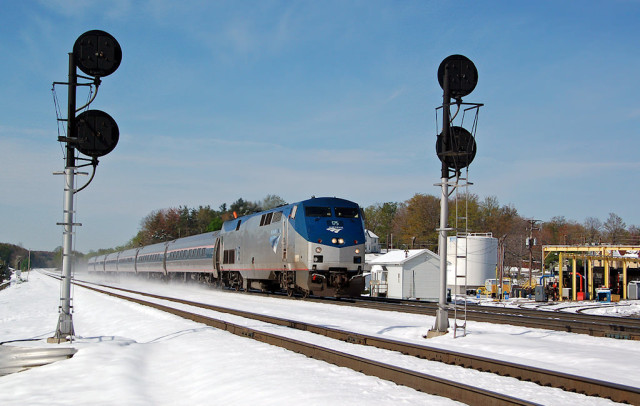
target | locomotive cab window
[
  {"x": 311, "y": 211},
  {"x": 348, "y": 212}
]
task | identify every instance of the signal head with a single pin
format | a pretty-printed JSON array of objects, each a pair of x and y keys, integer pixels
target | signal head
[
  {"x": 462, "y": 74},
  {"x": 97, "y": 53},
  {"x": 98, "y": 133},
  {"x": 458, "y": 149}
]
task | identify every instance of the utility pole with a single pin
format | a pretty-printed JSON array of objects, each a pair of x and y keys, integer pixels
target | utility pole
[
  {"x": 500, "y": 266},
  {"x": 530, "y": 243}
]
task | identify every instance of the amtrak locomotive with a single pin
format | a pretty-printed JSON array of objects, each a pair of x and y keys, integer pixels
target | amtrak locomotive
[{"x": 315, "y": 246}]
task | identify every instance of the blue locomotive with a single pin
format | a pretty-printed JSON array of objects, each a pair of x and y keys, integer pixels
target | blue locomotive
[{"x": 315, "y": 246}]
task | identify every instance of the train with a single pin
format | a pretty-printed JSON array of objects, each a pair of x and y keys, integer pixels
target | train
[{"x": 312, "y": 247}]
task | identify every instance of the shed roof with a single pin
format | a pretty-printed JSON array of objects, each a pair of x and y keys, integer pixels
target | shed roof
[{"x": 401, "y": 256}]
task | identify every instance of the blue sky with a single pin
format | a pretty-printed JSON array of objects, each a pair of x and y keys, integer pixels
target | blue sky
[{"x": 220, "y": 100}]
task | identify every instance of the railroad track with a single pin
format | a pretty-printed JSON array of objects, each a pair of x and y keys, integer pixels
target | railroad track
[
  {"x": 422, "y": 382},
  {"x": 401, "y": 376},
  {"x": 579, "y": 323},
  {"x": 595, "y": 325},
  {"x": 627, "y": 328}
]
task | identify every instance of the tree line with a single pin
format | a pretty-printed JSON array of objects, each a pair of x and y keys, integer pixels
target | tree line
[
  {"x": 168, "y": 224},
  {"x": 409, "y": 224},
  {"x": 17, "y": 257},
  {"x": 414, "y": 223}
]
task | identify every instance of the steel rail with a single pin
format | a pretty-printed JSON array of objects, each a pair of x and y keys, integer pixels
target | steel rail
[
  {"x": 594, "y": 325},
  {"x": 541, "y": 376},
  {"x": 401, "y": 376}
]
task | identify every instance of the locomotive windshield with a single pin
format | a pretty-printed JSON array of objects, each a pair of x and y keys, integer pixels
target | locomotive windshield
[
  {"x": 311, "y": 211},
  {"x": 348, "y": 212},
  {"x": 344, "y": 212}
]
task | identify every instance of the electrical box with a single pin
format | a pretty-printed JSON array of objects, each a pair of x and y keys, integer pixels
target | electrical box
[
  {"x": 541, "y": 295},
  {"x": 632, "y": 290},
  {"x": 603, "y": 295}
]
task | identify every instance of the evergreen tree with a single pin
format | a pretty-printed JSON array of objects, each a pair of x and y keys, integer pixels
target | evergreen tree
[
  {"x": 271, "y": 202},
  {"x": 243, "y": 207}
]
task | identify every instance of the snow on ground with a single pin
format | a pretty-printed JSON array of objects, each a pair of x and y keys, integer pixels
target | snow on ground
[
  {"x": 141, "y": 356},
  {"x": 134, "y": 355},
  {"x": 623, "y": 308},
  {"x": 572, "y": 353}
]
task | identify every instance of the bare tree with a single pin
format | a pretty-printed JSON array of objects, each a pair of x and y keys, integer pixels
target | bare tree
[
  {"x": 634, "y": 235},
  {"x": 593, "y": 229},
  {"x": 615, "y": 228}
]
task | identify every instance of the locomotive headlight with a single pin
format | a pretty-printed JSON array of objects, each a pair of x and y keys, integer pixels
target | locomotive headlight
[
  {"x": 340, "y": 241},
  {"x": 357, "y": 250},
  {"x": 334, "y": 240},
  {"x": 318, "y": 250}
]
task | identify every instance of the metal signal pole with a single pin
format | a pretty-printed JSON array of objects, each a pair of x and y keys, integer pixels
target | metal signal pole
[
  {"x": 456, "y": 148},
  {"x": 532, "y": 228},
  {"x": 442, "y": 314},
  {"x": 98, "y": 54},
  {"x": 65, "y": 320}
]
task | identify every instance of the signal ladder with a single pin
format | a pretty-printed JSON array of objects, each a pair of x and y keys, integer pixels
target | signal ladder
[{"x": 460, "y": 262}]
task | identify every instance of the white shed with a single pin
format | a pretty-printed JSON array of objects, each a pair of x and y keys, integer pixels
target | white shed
[{"x": 406, "y": 274}]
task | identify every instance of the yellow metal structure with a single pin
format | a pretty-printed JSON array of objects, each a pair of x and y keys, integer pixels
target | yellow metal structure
[
  {"x": 532, "y": 285},
  {"x": 591, "y": 253},
  {"x": 491, "y": 286},
  {"x": 560, "y": 278}
]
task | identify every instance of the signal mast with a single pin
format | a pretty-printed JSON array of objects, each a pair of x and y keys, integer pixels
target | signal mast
[
  {"x": 456, "y": 148},
  {"x": 93, "y": 133}
]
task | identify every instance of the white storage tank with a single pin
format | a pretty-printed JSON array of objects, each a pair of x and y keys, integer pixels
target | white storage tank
[{"x": 481, "y": 251}]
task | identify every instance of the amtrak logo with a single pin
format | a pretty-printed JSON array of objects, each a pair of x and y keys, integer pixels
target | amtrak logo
[
  {"x": 274, "y": 240},
  {"x": 335, "y": 229}
]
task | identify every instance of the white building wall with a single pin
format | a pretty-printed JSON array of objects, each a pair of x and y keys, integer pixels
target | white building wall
[
  {"x": 410, "y": 274},
  {"x": 421, "y": 279},
  {"x": 395, "y": 281}
]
